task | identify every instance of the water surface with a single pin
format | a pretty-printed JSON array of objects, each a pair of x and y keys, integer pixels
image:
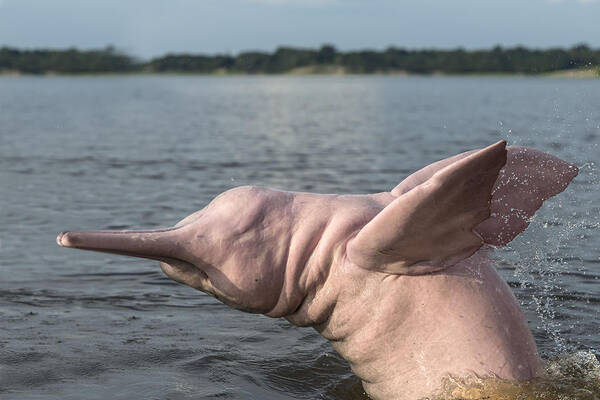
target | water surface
[{"x": 145, "y": 151}]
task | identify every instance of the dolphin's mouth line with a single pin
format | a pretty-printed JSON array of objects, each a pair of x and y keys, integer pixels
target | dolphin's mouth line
[
  {"x": 126, "y": 231},
  {"x": 168, "y": 260}
]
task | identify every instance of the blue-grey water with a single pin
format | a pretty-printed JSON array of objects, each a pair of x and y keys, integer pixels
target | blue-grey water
[{"x": 145, "y": 151}]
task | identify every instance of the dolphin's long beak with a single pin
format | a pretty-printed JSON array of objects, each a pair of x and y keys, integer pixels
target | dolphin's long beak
[{"x": 160, "y": 245}]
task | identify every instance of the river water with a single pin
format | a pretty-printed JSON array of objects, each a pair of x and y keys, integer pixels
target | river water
[{"x": 128, "y": 152}]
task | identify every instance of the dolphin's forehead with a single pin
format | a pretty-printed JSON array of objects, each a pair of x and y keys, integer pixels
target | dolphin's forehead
[
  {"x": 249, "y": 199},
  {"x": 239, "y": 200},
  {"x": 249, "y": 195},
  {"x": 248, "y": 208}
]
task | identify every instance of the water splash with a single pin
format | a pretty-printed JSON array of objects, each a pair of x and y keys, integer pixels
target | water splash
[
  {"x": 574, "y": 376},
  {"x": 541, "y": 256}
]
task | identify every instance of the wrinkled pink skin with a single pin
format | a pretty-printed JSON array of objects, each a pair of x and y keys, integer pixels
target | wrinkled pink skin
[{"x": 405, "y": 309}]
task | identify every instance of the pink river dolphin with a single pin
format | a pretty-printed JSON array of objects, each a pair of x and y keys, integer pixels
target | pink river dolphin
[{"x": 399, "y": 282}]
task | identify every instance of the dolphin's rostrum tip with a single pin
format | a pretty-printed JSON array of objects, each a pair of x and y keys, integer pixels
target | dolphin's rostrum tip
[{"x": 61, "y": 239}]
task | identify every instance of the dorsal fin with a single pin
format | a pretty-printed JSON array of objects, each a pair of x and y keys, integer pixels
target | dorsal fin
[{"x": 430, "y": 227}]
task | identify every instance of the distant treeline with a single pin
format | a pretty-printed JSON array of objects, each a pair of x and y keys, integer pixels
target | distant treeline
[
  {"x": 288, "y": 59},
  {"x": 71, "y": 61}
]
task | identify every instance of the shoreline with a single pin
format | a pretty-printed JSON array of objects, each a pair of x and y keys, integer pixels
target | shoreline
[{"x": 581, "y": 73}]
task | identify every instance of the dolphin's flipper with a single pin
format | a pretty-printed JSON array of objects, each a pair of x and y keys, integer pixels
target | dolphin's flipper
[
  {"x": 528, "y": 179},
  {"x": 430, "y": 227},
  {"x": 415, "y": 179}
]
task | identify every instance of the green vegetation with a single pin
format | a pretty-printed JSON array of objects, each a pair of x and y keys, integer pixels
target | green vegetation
[
  {"x": 71, "y": 61},
  {"x": 327, "y": 59}
]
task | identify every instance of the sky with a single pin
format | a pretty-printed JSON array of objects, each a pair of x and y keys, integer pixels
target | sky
[{"x": 148, "y": 28}]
